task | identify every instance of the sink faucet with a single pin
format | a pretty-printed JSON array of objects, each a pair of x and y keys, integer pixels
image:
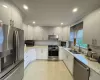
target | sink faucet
[{"x": 79, "y": 49}]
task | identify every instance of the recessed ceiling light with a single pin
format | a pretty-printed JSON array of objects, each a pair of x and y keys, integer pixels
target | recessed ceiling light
[
  {"x": 5, "y": 6},
  {"x": 75, "y": 9},
  {"x": 62, "y": 23},
  {"x": 34, "y": 22},
  {"x": 25, "y": 7}
]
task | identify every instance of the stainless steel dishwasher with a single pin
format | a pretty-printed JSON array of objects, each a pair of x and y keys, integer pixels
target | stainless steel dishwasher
[{"x": 81, "y": 71}]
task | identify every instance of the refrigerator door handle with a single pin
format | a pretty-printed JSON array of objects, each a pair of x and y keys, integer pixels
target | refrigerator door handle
[{"x": 17, "y": 45}]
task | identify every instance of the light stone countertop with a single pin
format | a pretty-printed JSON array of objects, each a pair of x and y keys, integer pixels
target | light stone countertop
[
  {"x": 92, "y": 65},
  {"x": 28, "y": 48}
]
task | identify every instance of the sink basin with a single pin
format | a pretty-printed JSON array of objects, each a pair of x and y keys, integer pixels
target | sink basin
[{"x": 74, "y": 52}]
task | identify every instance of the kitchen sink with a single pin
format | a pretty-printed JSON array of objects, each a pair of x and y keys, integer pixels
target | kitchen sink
[{"x": 74, "y": 52}]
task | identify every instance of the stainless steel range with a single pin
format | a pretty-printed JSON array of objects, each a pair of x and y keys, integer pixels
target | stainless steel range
[
  {"x": 11, "y": 49},
  {"x": 53, "y": 52}
]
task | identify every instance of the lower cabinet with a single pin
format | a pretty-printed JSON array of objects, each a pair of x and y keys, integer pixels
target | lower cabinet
[
  {"x": 41, "y": 53},
  {"x": 68, "y": 59},
  {"x": 94, "y": 75},
  {"x": 61, "y": 53},
  {"x": 70, "y": 63}
]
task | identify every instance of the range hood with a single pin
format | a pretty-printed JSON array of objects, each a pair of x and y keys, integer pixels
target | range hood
[{"x": 53, "y": 37}]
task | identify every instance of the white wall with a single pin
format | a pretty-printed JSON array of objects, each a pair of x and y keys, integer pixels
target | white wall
[{"x": 10, "y": 13}]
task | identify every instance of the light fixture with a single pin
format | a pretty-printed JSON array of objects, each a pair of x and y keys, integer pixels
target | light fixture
[
  {"x": 75, "y": 9},
  {"x": 62, "y": 23},
  {"x": 5, "y": 6},
  {"x": 25, "y": 7},
  {"x": 34, "y": 22}
]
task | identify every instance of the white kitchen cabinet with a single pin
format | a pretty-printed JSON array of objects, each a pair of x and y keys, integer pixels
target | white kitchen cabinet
[
  {"x": 5, "y": 13},
  {"x": 58, "y": 31},
  {"x": 67, "y": 57},
  {"x": 69, "y": 61},
  {"x": 51, "y": 31},
  {"x": 91, "y": 27},
  {"x": 38, "y": 53},
  {"x": 94, "y": 75},
  {"x": 45, "y": 53},
  {"x": 38, "y": 33},
  {"x": 10, "y": 13},
  {"x": 30, "y": 32},
  {"x": 45, "y": 33},
  {"x": 65, "y": 33},
  {"x": 41, "y": 53},
  {"x": 61, "y": 53}
]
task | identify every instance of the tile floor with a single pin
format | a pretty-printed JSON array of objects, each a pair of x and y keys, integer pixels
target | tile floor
[{"x": 47, "y": 70}]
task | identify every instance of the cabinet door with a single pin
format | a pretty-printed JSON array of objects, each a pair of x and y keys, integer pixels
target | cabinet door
[
  {"x": 38, "y": 33},
  {"x": 45, "y": 53},
  {"x": 65, "y": 57},
  {"x": 45, "y": 33},
  {"x": 30, "y": 32},
  {"x": 58, "y": 31},
  {"x": 94, "y": 75},
  {"x": 5, "y": 13},
  {"x": 50, "y": 30},
  {"x": 70, "y": 63},
  {"x": 42, "y": 53},
  {"x": 38, "y": 53},
  {"x": 61, "y": 53},
  {"x": 91, "y": 28},
  {"x": 65, "y": 33}
]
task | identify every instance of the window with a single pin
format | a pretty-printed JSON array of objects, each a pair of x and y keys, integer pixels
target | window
[
  {"x": 71, "y": 36},
  {"x": 79, "y": 39}
]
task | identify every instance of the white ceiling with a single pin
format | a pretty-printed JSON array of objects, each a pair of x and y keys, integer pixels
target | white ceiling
[{"x": 53, "y": 12}]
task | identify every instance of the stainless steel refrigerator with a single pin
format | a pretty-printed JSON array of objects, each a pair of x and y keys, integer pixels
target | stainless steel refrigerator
[{"x": 11, "y": 50}]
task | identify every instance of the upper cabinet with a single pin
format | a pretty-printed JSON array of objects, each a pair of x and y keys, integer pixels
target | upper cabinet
[
  {"x": 65, "y": 33},
  {"x": 10, "y": 13},
  {"x": 58, "y": 31},
  {"x": 5, "y": 14},
  {"x": 91, "y": 28},
  {"x": 41, "y": 33}
]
